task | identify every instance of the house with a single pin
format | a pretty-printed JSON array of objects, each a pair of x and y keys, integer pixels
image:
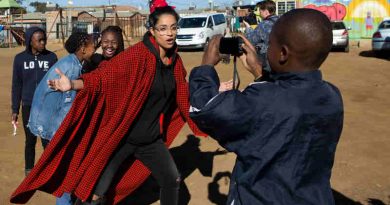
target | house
[
  {"x": 131, "y": 22},
  {"x": 30, "y": 19},
  {"x": 55, "y": 25}
]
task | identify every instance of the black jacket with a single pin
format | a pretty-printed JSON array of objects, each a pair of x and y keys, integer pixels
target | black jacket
[
  {"x": 28, "y": 70},
  {"x": 284, "y": 133},
  {"x": 89, "y": 66}
]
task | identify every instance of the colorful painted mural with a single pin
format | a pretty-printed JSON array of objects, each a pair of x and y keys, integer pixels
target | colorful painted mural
[{"x": 362, "y": 16}]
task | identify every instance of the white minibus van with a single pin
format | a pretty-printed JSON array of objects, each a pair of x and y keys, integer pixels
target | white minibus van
[{"x": 196, "y": 30}]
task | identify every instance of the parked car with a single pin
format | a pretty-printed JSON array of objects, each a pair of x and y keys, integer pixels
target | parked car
[
  {"x": 340, "y": 35},
  {"x": 381, "y": 38},
  {"x": 196, "y": 31}
]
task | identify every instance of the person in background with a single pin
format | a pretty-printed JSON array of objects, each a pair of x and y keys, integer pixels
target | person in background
[
  {"x": 259, "y": 37},
  {"x": 111, "y": 43},
  {"x": 28, "y": 69},
  {"x": 49, "y": 108},
  {"x": 283, "y": 131},
  {"x": 251, "y": 19},
  {"x": 96, "y": 31},
  {"x": 236, "y": 24},
  {"x": 369, "y": 23}
]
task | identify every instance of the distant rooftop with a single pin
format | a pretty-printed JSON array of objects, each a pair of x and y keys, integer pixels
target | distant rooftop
[
  {"x": 32, "y": 16},
  {"x": 100, "y": 14}
]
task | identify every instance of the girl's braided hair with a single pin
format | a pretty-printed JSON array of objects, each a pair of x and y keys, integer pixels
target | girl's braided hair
[{"x": 76, "y": 41}]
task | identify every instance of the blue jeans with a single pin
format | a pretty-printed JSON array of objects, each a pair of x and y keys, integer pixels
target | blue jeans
[{"x": 65, "y": 199}]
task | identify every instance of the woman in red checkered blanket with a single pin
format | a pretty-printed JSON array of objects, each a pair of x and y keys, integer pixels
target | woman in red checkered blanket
[{"x": 125, "y": 114}]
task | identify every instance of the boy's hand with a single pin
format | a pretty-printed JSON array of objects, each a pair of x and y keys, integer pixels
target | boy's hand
[
  {"x": 211, "y": 54},
  {"x": 14, "y": 123},
  {"x": 249, "y": 59},
  {"x": 14, "y": 118},
  {"x": 62, "y": 84}
]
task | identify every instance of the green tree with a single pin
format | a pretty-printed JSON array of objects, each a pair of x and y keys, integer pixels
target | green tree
[
  {"x": 39, "y": 6},
  {"x": 19, "y": 10},
  {"x": 16, "y": 10}
]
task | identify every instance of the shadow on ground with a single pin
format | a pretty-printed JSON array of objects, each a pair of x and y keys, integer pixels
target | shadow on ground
[
  {"x": 215, "y": 196},
  {"x": 220, "y": 199},
  {"x": 341, "y": 199},
  {"x": 385, "y": 55},
  {"x": 188, "y": 158}
]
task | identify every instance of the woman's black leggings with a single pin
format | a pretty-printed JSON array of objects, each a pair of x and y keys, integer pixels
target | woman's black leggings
[{"x": 157, "y": 158}]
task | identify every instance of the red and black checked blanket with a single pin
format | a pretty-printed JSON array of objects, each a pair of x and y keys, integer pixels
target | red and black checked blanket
[{"x": 100, "y": 117}]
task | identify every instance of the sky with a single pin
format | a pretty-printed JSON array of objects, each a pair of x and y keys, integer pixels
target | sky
[{"x": 180, "y": 4}]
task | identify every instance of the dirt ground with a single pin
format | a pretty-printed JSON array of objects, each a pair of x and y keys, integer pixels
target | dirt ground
[{"x": 361, "y": 173}]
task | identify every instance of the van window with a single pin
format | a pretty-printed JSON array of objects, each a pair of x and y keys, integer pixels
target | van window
[
  {"x": 338, "y": 25},
  {"x": 210, "y": 23},
  {"x": 385, "y": 24},
  {"x": 192, "y": 22},
  {"x": 219, "y": 19}
]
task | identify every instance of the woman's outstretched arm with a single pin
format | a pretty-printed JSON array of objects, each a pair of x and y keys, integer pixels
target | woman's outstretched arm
[{"x": 63, "y": 83}]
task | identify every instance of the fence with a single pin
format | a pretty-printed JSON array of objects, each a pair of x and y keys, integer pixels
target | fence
[{"x": 132, "y": 26}]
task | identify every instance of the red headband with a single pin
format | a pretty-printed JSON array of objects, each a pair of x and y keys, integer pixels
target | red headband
[{"x": 158, "y": 4}]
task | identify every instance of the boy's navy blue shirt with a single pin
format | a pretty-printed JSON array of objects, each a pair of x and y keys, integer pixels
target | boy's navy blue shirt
[
  {"x": 28, "y": 70},
  {"x": 284, "y": 133}
]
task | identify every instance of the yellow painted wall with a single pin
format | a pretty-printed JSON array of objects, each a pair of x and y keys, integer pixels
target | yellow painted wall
[{"x": 357, "y": 14}]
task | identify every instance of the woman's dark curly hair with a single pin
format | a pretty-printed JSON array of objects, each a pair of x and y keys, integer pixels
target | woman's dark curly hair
[
  {"x": 118, "y": 33},
  {"x": 77, "y": 40},
  {"x": 153, "y": 17}
]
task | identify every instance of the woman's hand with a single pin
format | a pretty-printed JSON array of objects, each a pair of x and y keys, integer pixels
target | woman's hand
[{"x": 62, "y": 84}]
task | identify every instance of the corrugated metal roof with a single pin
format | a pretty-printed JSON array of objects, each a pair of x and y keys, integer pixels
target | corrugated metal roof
[
  {"x": 33, "y": 16},
  {"x": 100, "y": 14}
]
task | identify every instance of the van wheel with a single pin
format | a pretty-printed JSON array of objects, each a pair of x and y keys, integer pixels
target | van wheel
[{"x": 346, "y": 49}]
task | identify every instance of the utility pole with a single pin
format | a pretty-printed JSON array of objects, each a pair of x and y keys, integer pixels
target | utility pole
[
  {"x": 211, "y": 5},
  {"x": 69, "y": 21}
]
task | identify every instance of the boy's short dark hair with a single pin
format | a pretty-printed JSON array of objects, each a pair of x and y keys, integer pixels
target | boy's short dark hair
[
  {"x": 267, "y": 5},
  {"x": 314, "y": 30}
]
